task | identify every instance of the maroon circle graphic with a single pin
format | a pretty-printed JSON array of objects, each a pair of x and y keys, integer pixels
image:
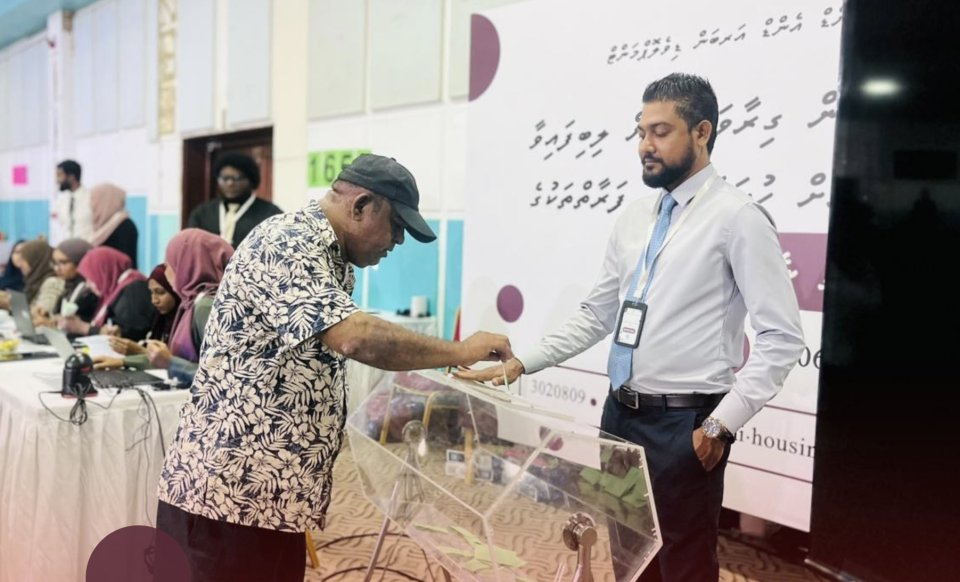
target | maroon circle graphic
[
  {"x": 138, "y": 554},
  {"x": 484, "y": 54},
  {"x": 510, "y": 303}
]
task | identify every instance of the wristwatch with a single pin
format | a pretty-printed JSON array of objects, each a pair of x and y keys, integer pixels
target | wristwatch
[{"x": 714, "y": 429}]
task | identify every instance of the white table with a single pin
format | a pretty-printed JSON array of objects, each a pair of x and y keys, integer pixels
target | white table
[
  {"x": 361, "y": 379},
  {"x": 63, "y": 488}
]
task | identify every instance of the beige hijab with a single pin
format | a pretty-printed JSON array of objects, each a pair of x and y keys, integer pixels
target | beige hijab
[
  {"x": 108, "y": 207},
  {"x": 37, "y": 254}
]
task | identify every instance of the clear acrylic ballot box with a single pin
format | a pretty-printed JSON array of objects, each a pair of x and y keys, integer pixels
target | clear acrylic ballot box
[{"x": 493, "y": 488}]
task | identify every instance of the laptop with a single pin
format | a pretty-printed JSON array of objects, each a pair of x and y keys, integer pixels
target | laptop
[
  {"x": 20, "y": 309},
  {"x": 102, "y": 378}
]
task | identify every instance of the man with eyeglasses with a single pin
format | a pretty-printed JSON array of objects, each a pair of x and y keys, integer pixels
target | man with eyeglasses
[{"x": 234, "y": 213}]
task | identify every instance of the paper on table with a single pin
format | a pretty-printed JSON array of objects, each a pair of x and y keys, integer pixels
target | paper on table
[{"x": 100, "y": 346}]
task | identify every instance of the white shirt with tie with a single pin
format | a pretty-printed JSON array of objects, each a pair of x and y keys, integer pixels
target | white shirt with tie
[
  {"x": 79, "y": 222},
  {"x": 723, "y": 262},
  {"x": 230, "y": 215}
]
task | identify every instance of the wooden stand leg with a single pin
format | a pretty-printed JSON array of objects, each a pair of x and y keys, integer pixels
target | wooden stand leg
[{"x": 312, "y": 552}]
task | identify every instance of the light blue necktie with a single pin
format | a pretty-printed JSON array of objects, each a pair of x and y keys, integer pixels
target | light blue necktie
[{"x": 620, "y": 363}]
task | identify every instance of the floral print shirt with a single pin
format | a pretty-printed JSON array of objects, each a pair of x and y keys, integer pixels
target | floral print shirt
[{"x": 257, "y": 442}]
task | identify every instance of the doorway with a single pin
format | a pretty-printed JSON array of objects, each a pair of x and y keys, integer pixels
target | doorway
[{"x": 200, "y": 155}]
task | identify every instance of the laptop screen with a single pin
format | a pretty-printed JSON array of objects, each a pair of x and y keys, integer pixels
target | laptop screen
[
  {"x": 21, "y": 314},
  {"x": 59, "y": 341}
]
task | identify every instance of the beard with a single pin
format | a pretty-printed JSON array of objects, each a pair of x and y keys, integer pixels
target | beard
[
  {"x": 669, "y": 174},
  {"x": 64, "y": 186}
]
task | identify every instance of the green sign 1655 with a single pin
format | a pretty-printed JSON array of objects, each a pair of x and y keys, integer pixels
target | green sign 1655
[{"x": 324, "y": 166}]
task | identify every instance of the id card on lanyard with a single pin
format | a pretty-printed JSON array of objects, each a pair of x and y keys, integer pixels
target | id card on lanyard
[
  {"x": 630, "y": 324},
  {"x": 633, "y": 312}
]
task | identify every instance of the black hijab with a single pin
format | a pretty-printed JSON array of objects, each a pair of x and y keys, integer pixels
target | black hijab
[{"x": 12, "y": 278}]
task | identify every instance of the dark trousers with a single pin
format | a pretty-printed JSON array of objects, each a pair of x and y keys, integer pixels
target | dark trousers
[
  {"x": 218, "y": 551},
  {"x": 686, "y": 496}
]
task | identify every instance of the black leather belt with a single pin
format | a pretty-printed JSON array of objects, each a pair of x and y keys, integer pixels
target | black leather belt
[{"x": 635, "y": 400}]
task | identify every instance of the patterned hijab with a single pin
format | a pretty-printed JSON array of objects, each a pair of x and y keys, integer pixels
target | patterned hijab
[
  {"x": 104, "y": 267},
  {"x": 37, "y": 254},
  {"x": 198, "y": 259},
  {"x": 108, "y": 209}
]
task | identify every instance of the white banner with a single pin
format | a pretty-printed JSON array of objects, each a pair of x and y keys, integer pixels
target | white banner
[{"x": 552, "y": 158}]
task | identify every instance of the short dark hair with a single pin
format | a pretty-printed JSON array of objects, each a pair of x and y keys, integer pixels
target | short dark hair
[
  {"x": 70, "y": 168},
  {"x": 694, "y": 98},
  {"x": 242, "y": 162}
]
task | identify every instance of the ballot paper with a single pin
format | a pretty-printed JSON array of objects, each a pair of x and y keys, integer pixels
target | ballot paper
[{"x": 99, "y": 345}]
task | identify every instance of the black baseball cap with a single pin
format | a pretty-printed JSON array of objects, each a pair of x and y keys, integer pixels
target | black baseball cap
[{"x": 388, "y": 178}]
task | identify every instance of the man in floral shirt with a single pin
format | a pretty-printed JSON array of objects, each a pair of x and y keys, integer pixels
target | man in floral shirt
[{"x": 251, "y": 465}]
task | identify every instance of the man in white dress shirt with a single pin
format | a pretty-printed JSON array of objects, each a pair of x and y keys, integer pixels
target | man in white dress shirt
[
  {"x": 72, "y": 207},
  {"x": 681, "y": 272}
]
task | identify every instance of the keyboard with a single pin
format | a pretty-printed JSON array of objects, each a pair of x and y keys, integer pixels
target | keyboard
[{"x": 123, "y": 379}]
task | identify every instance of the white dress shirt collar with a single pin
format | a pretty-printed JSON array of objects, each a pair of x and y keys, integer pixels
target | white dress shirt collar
[{"x": 685, "y": 192}]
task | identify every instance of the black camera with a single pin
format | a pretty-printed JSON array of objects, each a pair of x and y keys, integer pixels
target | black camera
[{"x": 76, "y": 377}]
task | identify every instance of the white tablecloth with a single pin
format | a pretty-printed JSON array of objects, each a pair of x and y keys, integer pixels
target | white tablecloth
[
  {"x": 361, "y": 379},
  {"x": 63, "y": 488}
]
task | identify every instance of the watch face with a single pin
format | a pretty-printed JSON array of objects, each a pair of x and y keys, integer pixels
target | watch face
[{"x": 711, "y": 428}]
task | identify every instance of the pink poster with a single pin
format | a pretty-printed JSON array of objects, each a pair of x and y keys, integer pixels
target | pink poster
[{"x": 20, "y": 175}]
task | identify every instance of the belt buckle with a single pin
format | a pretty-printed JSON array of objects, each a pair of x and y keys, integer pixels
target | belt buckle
[{"x": 626, "y": 392}]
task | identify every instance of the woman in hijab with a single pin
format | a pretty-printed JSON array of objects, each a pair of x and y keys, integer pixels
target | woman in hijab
[
  {"x": 124, "y": 296},
  {"x": 40, "y": 285},
  {"x": 77, "y": 298},
  {"x": 196, "y": 260},
  {"x": 12, "y": 278},
  {"x": 166, "y": 301},
  {"x": 112, "y": 226}
]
